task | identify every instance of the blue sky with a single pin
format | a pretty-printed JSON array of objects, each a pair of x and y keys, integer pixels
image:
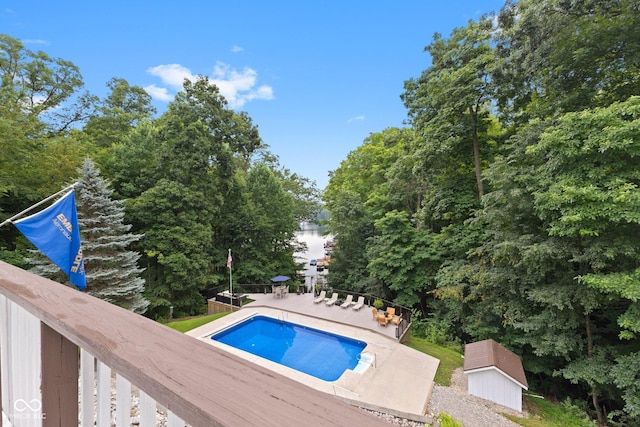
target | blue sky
[{"x": 316, "y": 77}]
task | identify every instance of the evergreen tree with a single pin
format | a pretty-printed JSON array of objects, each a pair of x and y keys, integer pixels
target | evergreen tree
[{"x": 112, "y": 270}]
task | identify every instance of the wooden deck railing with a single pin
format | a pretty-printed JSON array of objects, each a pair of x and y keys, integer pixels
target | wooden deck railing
[{"x": 65, "y": 354}]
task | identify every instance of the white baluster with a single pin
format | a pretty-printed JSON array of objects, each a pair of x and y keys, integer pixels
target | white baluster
[
  {"x": 173, "y": 420},
  {"x": 147, "y": 410},
  {"x": 87, "y": 388},
  {"x": 103, "y": 407},
  {"x": 24, "y": 367},
  {"x": 123, "y": 402}
]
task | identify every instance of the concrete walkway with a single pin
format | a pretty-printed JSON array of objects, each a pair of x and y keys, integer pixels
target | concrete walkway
[
  {"x": 399, "y": 380},
  {"x": 304, "y": 304}
]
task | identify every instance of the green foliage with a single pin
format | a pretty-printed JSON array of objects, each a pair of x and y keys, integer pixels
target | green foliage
[
  {"x": 128, "y": 163},
  {"x": 38, "y": 154},
  {"x": 543, "y": 413},
  {"x": 350, "y": 229},
  {"x": 270, "y": 227},
  {"x": 587, "y": 197},
  {"x": 567, "y": 55},
  {"x": 545, "y": 260},
  {"x": 592, "y": 183},
  {"x": 438, "y": 332},
  {"x": 449, "y": 103},
  {"x": 403, "y": 258},
  {"x": 446, "y": 420},
  {"x": 16, "y": 258},
  {"x": 42, "y": 87},
  {"x": 192, "y": 190},
  {"x": 624, "y": 285},
  {"x": 119, "y": 113},
  {"x": 306, "y": 196},
  {"x": 197, "y": 196},
  {"x": 626, "y": 374},
  {"x": 358, "y": 194}
]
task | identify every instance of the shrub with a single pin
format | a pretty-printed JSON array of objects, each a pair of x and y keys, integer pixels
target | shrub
[
  {"x": 435, "y": 331},
  {"x": 447, "y": 420}
]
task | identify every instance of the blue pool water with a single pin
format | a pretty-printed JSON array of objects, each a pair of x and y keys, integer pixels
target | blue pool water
[{"x": 321, "y": 354}]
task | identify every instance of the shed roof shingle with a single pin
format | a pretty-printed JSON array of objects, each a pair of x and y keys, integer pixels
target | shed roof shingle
[{"x": 488, "y": 353}]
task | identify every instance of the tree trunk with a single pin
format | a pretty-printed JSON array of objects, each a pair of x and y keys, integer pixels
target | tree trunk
[
  {"x": 594, "y": 391},
  {"x": 476, "y": 152}
]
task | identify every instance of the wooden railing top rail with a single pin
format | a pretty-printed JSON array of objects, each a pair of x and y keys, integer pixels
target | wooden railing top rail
[{"x": 202, "y": 385}]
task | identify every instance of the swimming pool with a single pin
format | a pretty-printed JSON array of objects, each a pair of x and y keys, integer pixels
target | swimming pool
[{"x": 318, "y": 353}]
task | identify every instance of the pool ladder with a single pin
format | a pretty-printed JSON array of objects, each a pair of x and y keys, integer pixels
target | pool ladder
[
  {"x": 374, "y": 362},
  {"x": 283, "y": 316}
]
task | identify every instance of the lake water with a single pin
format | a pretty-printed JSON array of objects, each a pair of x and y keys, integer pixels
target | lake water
[{"x": 312, "y": 235}]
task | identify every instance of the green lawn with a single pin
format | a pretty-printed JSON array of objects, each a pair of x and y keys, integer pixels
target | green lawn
[
  {"x": 449, "y": 359},
  {"x": 185, "y": 325}
]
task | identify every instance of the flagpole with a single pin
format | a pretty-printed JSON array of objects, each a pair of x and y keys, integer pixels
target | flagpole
[
  {"x": 230, "y": 280},
  {"x": 6, "y": 221}
]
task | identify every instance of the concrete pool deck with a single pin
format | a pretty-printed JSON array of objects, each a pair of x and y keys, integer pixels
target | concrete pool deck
[{"x": 399, "y": 380}]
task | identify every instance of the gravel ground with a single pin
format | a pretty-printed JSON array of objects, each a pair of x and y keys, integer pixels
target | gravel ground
[{"x": 469, "y": 410}]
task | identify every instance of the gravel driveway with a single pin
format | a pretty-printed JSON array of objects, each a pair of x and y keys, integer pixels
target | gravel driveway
[{"x": 469, "y": 410}]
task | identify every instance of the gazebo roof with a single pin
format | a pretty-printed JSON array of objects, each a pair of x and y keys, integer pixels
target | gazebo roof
[{"x": 488, "y": 353}]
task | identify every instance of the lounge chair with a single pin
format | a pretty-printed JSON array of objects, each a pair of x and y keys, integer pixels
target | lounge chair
[
  {"x": 321, "y": 297},
  {"x": 347, "y": 302},
  {"x": 358, "y": 305},
  {"x": 333, "y": 299},
  {"x": 382, "y": 320}
]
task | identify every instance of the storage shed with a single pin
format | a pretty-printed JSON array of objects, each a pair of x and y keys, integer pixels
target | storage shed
[{"x": 495, "y": 373}]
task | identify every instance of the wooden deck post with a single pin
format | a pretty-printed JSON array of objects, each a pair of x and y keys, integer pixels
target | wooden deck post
[{"x": 59, "y": 379}]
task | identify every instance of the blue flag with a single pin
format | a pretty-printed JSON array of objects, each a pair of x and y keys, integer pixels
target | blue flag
[{"x": 55, "y": 232}]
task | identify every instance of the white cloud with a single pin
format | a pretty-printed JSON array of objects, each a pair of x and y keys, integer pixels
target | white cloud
[
  {"x": 359, "y": 118},
  {"x": 238, "y": 87},
  {"x": 265, "y": 92},
  {"x": 171, "y": 74},
  {"x": 236, "y": 49},
  {"x": 35, "y": 41},
  {"x": 159, "y": 93}
]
